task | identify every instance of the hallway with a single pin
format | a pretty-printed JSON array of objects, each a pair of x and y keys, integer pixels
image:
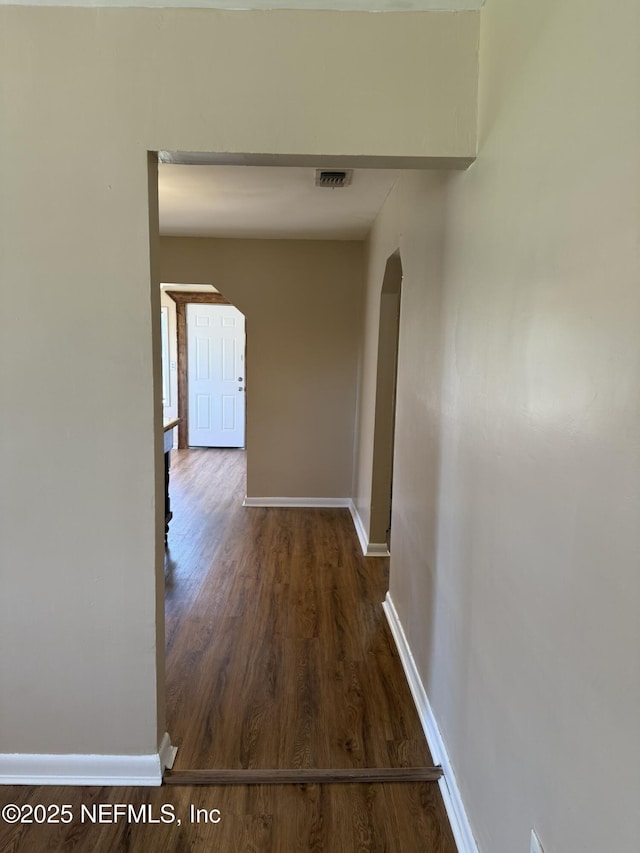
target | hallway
[{"x": 278, "y": 656}]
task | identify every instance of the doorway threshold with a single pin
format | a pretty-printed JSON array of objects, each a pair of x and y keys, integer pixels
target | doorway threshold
[{"x": 251, "y": 776}]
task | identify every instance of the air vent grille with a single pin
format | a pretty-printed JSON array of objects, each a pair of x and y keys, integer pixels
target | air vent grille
[{"x": 333, "y": 179}]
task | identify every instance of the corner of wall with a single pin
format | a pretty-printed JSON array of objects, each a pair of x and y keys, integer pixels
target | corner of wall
[
  {"x": 144, "y": 770},
  {"x": 369, "y": 549}
]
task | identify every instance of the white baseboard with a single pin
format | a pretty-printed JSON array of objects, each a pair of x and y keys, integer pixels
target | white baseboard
[
  {"x": 297, "y": 502},
  {"x": 377, "y": 549},
  {"x": 167, "y": 753},
  {"x": 23, "y": 769},
  {"x": 369, "y": 549},
  {"x": 448, "y": 787}
]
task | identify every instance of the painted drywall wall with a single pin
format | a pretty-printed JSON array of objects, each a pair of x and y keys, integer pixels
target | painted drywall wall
[
  {"x": 84, "y": 94},
  {"x": 342, "y": 5},
  {"x": 416, "y": 202},
  {"x": 515, "y": 536},
  {"x": 302, "y": 302}
]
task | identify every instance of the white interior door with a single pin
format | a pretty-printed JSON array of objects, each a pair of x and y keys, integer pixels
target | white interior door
[{"x": 215, "y": 375}]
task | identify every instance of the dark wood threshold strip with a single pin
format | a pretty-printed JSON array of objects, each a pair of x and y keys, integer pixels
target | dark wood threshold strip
[{"x": 361, "y": 775}]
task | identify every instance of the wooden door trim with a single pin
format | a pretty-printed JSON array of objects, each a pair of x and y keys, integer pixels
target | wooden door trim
[{"x": 182, "y": 299}]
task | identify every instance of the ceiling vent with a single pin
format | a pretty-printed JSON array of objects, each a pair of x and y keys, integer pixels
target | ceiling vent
[{"x": 333, "y": 179}]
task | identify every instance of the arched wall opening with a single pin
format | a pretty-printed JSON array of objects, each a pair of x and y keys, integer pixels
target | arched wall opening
[{"x": 385, "y": 407}]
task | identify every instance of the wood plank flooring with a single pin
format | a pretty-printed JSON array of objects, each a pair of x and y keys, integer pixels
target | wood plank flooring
[{"x": 278, "y": 657}]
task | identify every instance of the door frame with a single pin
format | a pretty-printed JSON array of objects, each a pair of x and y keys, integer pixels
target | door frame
[{"x": 182, "y": 299}]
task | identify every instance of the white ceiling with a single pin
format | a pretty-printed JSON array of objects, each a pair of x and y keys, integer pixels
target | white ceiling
[{"x": 274, "y": 202}]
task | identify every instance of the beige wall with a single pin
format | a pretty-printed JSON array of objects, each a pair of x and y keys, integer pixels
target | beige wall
[
  {"x": 85, "y": 94},
  {"x": 412, "y": 220},
  {"x": 515, "y": 538},
  {"x": 302, "y": 300}
]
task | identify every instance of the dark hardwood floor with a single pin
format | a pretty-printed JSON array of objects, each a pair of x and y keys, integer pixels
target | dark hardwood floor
[{"x": 278, "y": 656}]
